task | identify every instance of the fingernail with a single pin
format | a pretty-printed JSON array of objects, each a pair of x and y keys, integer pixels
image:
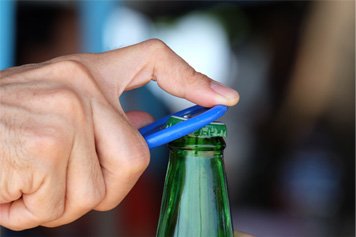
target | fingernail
[{"x": 230, "y": 95}]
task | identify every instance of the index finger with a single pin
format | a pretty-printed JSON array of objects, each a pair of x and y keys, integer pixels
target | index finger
[{"x": 134, "y": 66}]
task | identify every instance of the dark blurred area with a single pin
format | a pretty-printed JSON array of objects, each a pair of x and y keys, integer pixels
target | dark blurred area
[{"x": 290, "y": 156}]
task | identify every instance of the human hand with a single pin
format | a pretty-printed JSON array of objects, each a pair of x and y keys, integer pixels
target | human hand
[{"x": 67, "y": 146}]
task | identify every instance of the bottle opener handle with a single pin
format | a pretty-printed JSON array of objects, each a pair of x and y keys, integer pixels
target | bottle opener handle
[{"x": 156, "y": 134}]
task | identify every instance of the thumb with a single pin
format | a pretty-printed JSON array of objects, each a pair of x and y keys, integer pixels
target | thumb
[
  {"x": 139, "y": 119},
  {"x": 153, "y": 60}
]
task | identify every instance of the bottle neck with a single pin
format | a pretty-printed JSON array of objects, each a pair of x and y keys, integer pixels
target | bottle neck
[{"x": 195, "y": 198}]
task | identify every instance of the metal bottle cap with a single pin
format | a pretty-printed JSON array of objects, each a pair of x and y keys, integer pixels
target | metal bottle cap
[{"x": 213, "y": 129}]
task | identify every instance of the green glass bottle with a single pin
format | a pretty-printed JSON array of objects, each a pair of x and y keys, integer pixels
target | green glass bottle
[{"x": 195, "y": 200}]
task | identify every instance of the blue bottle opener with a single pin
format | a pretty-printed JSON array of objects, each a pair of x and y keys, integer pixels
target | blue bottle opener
[{"x": 197, "y": 116}]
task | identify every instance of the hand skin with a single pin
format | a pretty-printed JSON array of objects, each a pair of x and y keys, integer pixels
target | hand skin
[{"x": 66, "y": 145}]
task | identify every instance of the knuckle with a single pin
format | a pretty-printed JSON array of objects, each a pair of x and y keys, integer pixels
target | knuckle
[
  {"x": 100, "y": 194},
  {"x": 201, "y": 80},
  {"x": 65, "y": 101},
  {"x": 73, "y": 66},
  {"x": 10, "y": 190},
  {"x": 15, "y": 226},
  {"x": 91, "y": 195},
  {"x": 47, "y": 139},
  {"x": 191, "y": 75},
  {"x": 65, "y": 98},
  {"x": 140, "y": 158},
  {"x": 194, "y": 79},
  {"x": 47, "y": 142},
  {"x": 52, "y": 214},
  {"x": 95, "y": 190},
  {"x": 97, "y": 194},
  {"x": 156, "y": 45},
  {"x": 57, "y": 212},
  {"x": 76, "y": 67},
  {"x": 91, "y": 200}
]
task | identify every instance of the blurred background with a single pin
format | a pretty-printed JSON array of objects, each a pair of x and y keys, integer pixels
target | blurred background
[{"x": 290, "y": 156}]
